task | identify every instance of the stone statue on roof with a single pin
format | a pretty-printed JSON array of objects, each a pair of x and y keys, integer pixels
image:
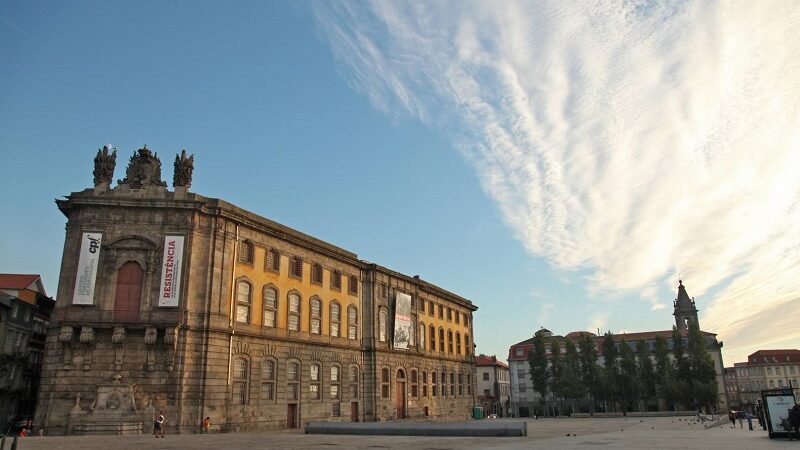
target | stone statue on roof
[
  {"x": 104, "y": 164},
  {"x": 183, "y": 170},
  {"x": 144, "y": 168}
]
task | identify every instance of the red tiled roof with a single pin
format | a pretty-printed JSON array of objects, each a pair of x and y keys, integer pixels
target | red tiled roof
[
  {"x": 776, "y": 352},
  {"x": 17, "y": 281},
  {"x": 483, "y": 360}
]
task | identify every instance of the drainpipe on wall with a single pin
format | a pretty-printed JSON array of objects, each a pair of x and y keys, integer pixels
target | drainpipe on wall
[{"x": 231, "y": 322}]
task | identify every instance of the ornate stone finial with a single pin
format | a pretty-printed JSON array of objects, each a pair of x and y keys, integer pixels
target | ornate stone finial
[
  {"x": 144, "y": 169},
  {"x": 104, "y": 164},
  {"x": 183, "y": 170}
]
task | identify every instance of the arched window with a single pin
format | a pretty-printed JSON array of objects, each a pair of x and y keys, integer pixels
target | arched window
[
  {"x": 432, "y": 339},
  {"x": 421, "y": 336},
  {"x": 352, "y": 322},
  {"x": 424, "y": 383},
  {"x": 434, "y": 381},
  {"x": 270, "y": 306},
  {"x": 452, "y": 384},
  {"x": 467, "y": 345},
  {"x": 294, "y": 312},
  {"x": 293, "y": 381},
  {"x": 315, "y": 375},
  {"x": 441, "y": 340},
  {"x": 246, "y": 252},
  {"x": 443, "y": 382},
  {"x": 268, "y": 380},
  {"x": 449, "y": 342},
  {"x": 316, "y": 316},
  {"x": 469, "y": 384},
  {"x": 335, "y": 381},
  {"x": 335, "y": 318},
  {"x": 460, "y": 384},
  {"x": 414, "y": 383},
  {"x": 458, "y": 343},
  {"x": 354, "y": 381},
  {"x": 240, "y": 381},
  {"x": 382, "y": 319},
  {"x": 385, "y": 380},
  {"x": 243, "y": 290}
]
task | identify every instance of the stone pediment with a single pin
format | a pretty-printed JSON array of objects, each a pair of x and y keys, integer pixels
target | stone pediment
[{"x": 132, "y": 242}]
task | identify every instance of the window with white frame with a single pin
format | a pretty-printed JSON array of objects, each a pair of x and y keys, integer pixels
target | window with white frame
[
  {"x": 294, "y": 312},
  {"x": 316, "y": 316},
  {"x": 270, "y": 306},
  {"x": 314, "y": 385},
  {"x": 293, "y": 381},
  {"x": 240, "y": 381},
  {"x": 352, "y": 322},
  {"x": 335, "y": 318},
  {"x": 268, "y": 380},
  {"x": 335, "y": 381},
  {"x": 382, "y": 319},
  {"x": 243, "y": 290}
]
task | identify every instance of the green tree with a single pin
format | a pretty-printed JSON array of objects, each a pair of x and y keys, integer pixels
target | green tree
[
  {"x": 590, "y": 375},
  {"x": 610, "y": 370},
  {"x": 644, "y": 369},
  {"x": 683, "y": 373},
  {"x": 627, "y": 378},
  {"x": 703, "y": 377},
  {"x": 554, "y": 372},
  {"x": 665, "y": 372},
  {"x": 572, "y": 387},
  {"x": 537, "y": 361}
]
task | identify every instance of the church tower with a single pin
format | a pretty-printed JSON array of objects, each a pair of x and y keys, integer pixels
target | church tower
[{"x": 684, "y": 309}]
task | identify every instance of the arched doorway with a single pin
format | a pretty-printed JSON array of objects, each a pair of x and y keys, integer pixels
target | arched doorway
[
  {"x": 400, "y": 394},
  {"x": 128, "y": 296}
]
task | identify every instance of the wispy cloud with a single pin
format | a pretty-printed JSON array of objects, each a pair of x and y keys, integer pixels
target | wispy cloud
[{"x": 636, "y": 139}]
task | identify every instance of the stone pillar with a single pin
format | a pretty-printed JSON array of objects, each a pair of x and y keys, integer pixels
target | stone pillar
[
  {"x": 150, "y": 334},
  {"x": 118, "y": 339},
  {"x": 65, "y": 338},
  {"x": 87, "y": 342},
  {"x": 369, "y": 385},
  {"x": 171, "y": 342}
]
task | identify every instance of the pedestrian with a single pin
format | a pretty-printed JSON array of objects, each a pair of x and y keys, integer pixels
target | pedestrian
[
  {"x": 732, "y": 418},
  {"x": 739, "y": 418},
  {"x": 158, "y": 426},
  {"x": 749, "y": 416},
  {"x": 794, "y": 421},
  {"x": 206, "y": 425}
]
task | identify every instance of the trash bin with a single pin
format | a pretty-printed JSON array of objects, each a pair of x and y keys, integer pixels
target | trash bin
[{"x": 477, "y": 412}]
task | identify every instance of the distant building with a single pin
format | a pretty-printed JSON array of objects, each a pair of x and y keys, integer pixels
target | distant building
[
  {"x": 494, "y": 385},
  {"x": 24, "y": 314},
  {"x": 764, "y": 369},
  {"x": 525, "y": 401}
]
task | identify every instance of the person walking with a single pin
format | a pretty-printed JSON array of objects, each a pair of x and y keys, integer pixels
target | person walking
[
  {"x": 749, "y": 416},
  {"x": 206, "y": 425},
  {"x": 158, "y": 428},
  {"x": 794, "y": 421},
  {"x": 732, "y": 418}
]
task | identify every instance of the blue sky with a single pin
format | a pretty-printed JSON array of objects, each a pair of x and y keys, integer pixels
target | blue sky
[{"x": 559, "y": 167}]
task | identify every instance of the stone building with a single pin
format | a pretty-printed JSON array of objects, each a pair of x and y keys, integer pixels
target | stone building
[
  {"x": 764, "y": 369},
  {"x": 494, "y": 385},
  {"x": 526, "y": 402},
  {"x": 171, "y": 301}
]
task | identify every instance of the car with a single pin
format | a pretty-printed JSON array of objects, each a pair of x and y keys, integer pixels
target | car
[{"x": 492, "y": 416}]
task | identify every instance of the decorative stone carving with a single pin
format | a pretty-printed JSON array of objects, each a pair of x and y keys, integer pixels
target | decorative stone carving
[
  {"x": 113, "y": 411},
  {"x": 65, "y": 337},
  {"x": 150, "y": 334},
  {"x": 171, "y": 341},
  {"x": 87, "y": 342},
  {"x": 183, "y": 170},
  {"x": 144, "y": 169},
  {"x": 104, "y": 164},
  {"x": 118, "y": 339}
]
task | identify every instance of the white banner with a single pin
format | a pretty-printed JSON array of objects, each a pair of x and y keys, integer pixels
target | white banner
[
  {"x": 402, "y": 320},
  {"x": 87, "y": 269},
  {"x": 170, "y": 291}
]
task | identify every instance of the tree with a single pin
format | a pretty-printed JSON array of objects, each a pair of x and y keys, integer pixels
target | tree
[
  {"x": 554, "y": 370},
  {"x": 627, "y": 378},
  {"x": 537, "y": 360},
  {"x": 610, "y": 369},
  {"x": 703, "y": 377},
  {"x": 683, "y": 374},
  {"x": 644, "y": 369},
  {"x": 590, "y": 376},
  {"x": 665, "y": 371},
  {"x": 571, "y": 386}
]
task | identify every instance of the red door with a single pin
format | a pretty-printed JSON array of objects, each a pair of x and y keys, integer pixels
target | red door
[
  {"x": 128, "y": 296},
  {"x": 291, "y": 416}
]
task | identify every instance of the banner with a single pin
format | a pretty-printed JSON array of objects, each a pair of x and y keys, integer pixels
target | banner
[
  {"x": 87, "y": 269},
  {"x": 402, "y": 320},
  {"x": 171, "y": 263}
]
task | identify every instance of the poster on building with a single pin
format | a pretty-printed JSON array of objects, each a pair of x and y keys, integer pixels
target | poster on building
[
  {"x": 171, "y": 263},
  {"x": 87, "y": 269},
  {"x": 402, "y": 320}
]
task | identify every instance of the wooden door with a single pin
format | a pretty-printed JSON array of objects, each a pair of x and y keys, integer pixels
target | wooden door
[
  {"x": 354, "y": 411},
  {"x": 291, "y": 416},
  {"x": 128, "y": 296},
  {"x": 400, "y": 399}
]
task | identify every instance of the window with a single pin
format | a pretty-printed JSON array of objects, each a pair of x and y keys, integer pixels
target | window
[
  {"x": 352, "y": 322},
  {"x": 485, "y": 376},
  {"x": 354, "y": 381},
  {"x": 458, "y": 343},
  {"x": 336, "y": 280},
  {"x": 433, "y": 384},
  {"x": 430, "y": 308},
  {"x": 385, "y": 382},
  {"x": 382, "y": 318},
  {"x": 414, "y": 383},
  {"x": 422, "y": 305},
  {"x": 458, "y": 317},
  {"x": 314, "y": 385},
  {"x": 336, "y": 318},
  {"x": 449, "y": 315},
  {"x": 441, "y": 312},
  {"x": 352, "y": 285},
  {"x": 335, "y": 382},
  {"x": 14, "y": 310},
  {"x": 316, "y": 315},
  {"x": 240, "y": 388},
  {"x": 411, "y": 330},
  {"x": 273, "y": 260},
  {"x": 466, "y": 320},
  {"x": 467, "y": 345},
  {"x": 246, "y": 252},
  {"x": 432, "y": 338},
  {"x": 486, "y": 393},
  {"x": 293, "y": 381},
  {"x": 294, "y": 312},
  {"x": 270, "y": 306},
  {"x": 424, "y": 381},
  {"x": 441, "y": 340},
  {"x": 316, "y": 273},
  {"x": 268, "y": 380},
  {"x": 422, "y": 336},
  {"x": 469, "y": 384},
  {"x": 243, "y": 302},
  {"x": 443, "y": 383},
  {"x": 296, "y": 267},
  {"x": 452, "y": 384},
  {"x": 449, "y": 341}
]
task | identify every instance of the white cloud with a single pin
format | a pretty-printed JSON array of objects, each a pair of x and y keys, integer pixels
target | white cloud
[{"x": 636, "y": 139}]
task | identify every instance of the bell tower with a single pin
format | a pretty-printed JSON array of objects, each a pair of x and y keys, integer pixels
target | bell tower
[{"x": 685, "y": 310}]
